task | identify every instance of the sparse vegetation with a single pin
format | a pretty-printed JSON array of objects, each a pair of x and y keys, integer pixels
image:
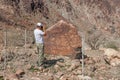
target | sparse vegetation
[
  {"x": 112, "y": 45},
  {"x": 95, "y": 39},
  {"x": 100, "y": 15},
  {"x": 33, "y": 69},
  {"x": 1, "y": 78}
]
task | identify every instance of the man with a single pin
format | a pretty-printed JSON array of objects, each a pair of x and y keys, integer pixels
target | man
[{"x": 39, "y": 32}]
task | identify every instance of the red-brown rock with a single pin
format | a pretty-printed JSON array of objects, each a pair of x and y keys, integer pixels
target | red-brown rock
[
  {"x": 19, "y": 73},
  {"x": 62, "y": 38}
]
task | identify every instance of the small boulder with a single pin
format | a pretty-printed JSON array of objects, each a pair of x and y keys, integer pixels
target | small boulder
[
  {"x": 28, "y": 66},
  {"x": 111, "y": 53},
  {"x": 74, "y": 64},
  {"x": 65, "y": 77},
  {"x": 115, "y": 62},
  {"x": 19, "y": 73},
  {"x": 112, "y": 57},
  {"x": 35, "y": 78},
  {"x": 59, "y": 74},
  {"x": 84, "y": 77},
  {"x": 89, "y": 60}
]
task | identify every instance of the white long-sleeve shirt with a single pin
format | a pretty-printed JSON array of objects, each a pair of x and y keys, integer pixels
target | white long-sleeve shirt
[{"x": 38, "y": 34}]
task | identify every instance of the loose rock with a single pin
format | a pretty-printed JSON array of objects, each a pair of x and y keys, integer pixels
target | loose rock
[
  {"x": 19, "y": 73},
  {"x": 74, "y": 64}
]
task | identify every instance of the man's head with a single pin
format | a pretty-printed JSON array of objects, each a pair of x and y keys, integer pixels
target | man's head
[{"x": 40, "y": 25}]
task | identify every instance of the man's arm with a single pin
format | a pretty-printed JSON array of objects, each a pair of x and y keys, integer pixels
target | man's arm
[{"x": 44, "y": 30}]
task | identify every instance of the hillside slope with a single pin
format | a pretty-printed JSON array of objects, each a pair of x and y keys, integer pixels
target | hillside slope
[{"x": 86, "y": 15}]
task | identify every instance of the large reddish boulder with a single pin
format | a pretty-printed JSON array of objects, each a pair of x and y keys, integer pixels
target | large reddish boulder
[{"x": 62, "y": 38}]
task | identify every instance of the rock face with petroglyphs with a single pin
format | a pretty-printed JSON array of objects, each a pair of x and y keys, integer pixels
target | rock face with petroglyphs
[{"x": 62, "y": 38}]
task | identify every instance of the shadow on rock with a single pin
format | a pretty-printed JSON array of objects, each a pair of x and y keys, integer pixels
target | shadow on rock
[
  {"x": 79, "y": 56},
  {"x": 49, "y": 63},
  {"x": 79, "y": 53}
]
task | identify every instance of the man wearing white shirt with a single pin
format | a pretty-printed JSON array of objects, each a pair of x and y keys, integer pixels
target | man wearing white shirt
[{"x": 39, "y": 32}]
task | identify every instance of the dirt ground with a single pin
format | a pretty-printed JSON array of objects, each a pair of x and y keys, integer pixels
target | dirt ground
[{"x": 22, "y": 65}]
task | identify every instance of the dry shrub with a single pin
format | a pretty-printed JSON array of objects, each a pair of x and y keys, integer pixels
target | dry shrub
[
  {"x": 95, "y": 39},
  {"x": 1, "y": 37},
  {"x": 112, "y": 45}
]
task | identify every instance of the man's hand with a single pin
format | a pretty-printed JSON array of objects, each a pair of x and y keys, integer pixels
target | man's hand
[{"x": 44, "y": 29}]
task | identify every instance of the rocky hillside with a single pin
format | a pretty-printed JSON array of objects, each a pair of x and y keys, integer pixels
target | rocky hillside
[
  {"x": 85, "y": 14},
  {"x": 89, "y": 16},
  {"x": 99, "y": 20},
  {"x": 22, "y": 66}
]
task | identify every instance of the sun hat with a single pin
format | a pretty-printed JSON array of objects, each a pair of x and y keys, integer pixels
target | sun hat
[{"x": 39, "y": 24}]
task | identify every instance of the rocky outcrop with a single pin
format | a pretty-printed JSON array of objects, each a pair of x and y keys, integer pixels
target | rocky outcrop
[
  {"x": 102, "y": 14},
  {"x": 112, "y": 57},
  {"x": 62, "y": 38}
]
